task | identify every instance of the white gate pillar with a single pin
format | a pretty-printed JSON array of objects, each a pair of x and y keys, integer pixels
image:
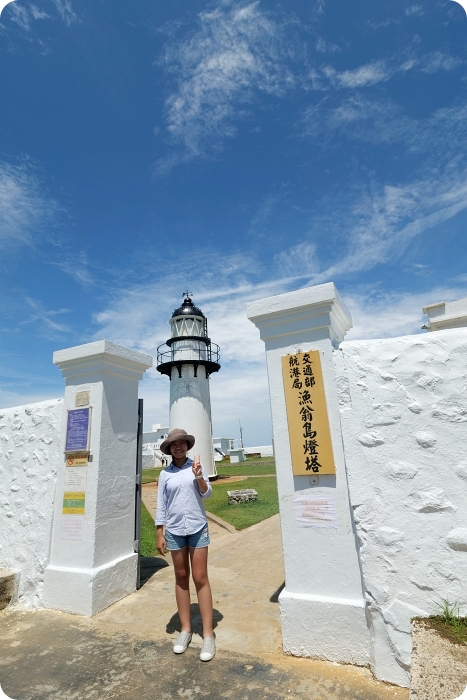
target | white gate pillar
[
  {"x": 322, "y": 605},
  {"x": 92, "y": 558}
]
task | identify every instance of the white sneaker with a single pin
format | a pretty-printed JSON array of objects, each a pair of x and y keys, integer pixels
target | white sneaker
[
  {"x": 183, "y": 640},
  {"x": 208, "y": 649}
]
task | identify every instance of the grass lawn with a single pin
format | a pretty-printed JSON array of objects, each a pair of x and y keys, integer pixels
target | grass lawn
[
  {"x": 243, "y": 515},
  {"x": 148, "y": 533},
  {"x": 259, "y": 465}
]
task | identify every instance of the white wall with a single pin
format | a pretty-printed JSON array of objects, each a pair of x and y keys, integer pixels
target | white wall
[
  {"x": 29, "y": 459},
  {"x": 403, "y": 405}
]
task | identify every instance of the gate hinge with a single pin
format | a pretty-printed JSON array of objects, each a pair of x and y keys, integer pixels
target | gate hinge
[
  {"x": 136, "y": 545},
  {"x": 138, "y": 479}
]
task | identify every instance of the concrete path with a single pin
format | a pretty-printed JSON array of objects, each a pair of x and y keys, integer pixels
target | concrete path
[{"x": 125, "y": 652}]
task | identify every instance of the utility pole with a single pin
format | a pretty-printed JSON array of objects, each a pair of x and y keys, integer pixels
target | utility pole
[{"x": 241, "y": 434}]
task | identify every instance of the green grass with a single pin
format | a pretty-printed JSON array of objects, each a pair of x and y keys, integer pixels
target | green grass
[
  {"x": 260, "y": 465},
  {"x": 244, "y": 515},
  {"x": 150, "y": 475},
  {"x": 264, "y": 465},
  {"x": 148, "y": 533},
  {"x": 449, "y": 623}
]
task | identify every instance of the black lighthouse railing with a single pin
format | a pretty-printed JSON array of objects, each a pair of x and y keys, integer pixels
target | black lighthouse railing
[{"x": 169, "y": 356}]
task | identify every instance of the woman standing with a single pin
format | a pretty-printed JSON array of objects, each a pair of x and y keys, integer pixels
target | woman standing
[{"x": 182, "y": 486}]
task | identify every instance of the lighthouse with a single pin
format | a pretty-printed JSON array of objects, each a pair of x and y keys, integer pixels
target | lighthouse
[{"x": 188, "y": 358}]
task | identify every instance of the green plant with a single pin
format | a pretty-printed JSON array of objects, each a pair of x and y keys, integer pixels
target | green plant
[{"x": 448, "y": 623}]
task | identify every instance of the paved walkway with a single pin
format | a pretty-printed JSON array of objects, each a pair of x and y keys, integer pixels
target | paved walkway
[{"x": 125, "y": 652}]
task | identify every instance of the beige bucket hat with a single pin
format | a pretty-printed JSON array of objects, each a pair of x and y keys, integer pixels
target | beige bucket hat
[{"x": 173, "y": 436}]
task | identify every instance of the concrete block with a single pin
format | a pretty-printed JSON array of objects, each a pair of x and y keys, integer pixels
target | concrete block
[{"x": 242, "y": 496}]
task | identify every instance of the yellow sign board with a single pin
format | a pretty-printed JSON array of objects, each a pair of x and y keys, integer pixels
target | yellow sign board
[
  {"x": 307, "y": 416},
  {"x": 73, "y": 502},
  {"x": 77, "y": 460}
]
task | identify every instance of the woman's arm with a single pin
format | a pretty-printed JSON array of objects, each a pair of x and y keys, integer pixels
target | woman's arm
[{"x": 202, "y": 479}]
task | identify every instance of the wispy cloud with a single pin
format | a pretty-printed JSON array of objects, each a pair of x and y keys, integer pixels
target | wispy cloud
[
  {"x": 66, "y": 12},
  {"x": 379, "y": 314},
  {"x": 43, "y": 319},
  {"x": 363, "y": 76},
  {"x": 25, "y": 208},
  {"x": 24, "y": 15},
  {"x": 236, "y": 50},
  {"x": 382, "y": 223},
  {"x": 77, "y": 266}
]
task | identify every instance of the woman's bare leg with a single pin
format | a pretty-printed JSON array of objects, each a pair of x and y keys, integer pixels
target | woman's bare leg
[
  {"x": 181, "y": 564},
  {"x": 199, "y": 567}
]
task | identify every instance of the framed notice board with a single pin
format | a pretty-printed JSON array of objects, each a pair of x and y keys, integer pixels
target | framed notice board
[
  {"x": 78, "y": 430},
  {"x": 307, "y": 415}
]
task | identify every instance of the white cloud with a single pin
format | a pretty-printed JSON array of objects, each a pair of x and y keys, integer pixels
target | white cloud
[
  {"x": 66, "y": 12},
  {"x": 25, "y": 15},
  {"x": 363, "y": 76},
  {"x": 381, "y": 224},
  {"x": 378, "y": 314},
  {"x": 236, "y": 51},
  {"x": 382, "y": 70},
  {"x": 43, "y": 319},
  {"x": 414, "y": 10},
  {"x": 25, "y": 210},
  {"x": 299, "y": 261}
]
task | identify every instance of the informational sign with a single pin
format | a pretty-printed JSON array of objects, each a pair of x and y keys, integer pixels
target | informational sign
[
  {"x": 75, "y": 479},
  {"x": 77, "y": 430},
  {"x": 315, "y": 511},
  {"x": 72, "y": 527},
  {"x": 73, "y": 503},
  {"x": 307, "y": 416},
  {"x": 77, "y": 459}
]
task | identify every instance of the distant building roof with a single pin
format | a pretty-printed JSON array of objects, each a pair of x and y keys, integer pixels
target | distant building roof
[{"x": 445, "y": 315}]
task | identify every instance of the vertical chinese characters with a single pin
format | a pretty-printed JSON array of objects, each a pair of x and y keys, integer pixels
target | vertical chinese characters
[
  {"x": 307, "y": 415},
  {"x": 301, "y": 374}
]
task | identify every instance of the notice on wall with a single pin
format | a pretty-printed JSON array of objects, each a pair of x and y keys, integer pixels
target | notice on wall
[
  {"x": 77, "y": 460},
  {"x": 77, "y": 430},
  {"x": 75, "y": 479},
  {"x": 307, "y": 415},
  {"x": 73, "y": 503},
  {"x": 72, "y": 527},
  {"x": 315, "y": 511}
]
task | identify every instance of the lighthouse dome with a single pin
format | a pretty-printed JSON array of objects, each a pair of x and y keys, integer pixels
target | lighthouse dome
[{"x": 188, "y": 309}]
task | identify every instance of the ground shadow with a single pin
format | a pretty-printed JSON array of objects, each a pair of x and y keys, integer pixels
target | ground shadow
[
  {"x": 275, "y": 596},
  {"x": 148, "y": 567},
  {"x": 174, "y": 625}
]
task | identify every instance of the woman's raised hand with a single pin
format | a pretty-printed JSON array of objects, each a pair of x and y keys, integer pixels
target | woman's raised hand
[{"x": 196, "y": 467}]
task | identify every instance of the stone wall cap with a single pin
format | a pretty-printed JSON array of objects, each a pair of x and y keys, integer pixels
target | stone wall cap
[
  {"x": 307, "y": 297},
  {"x": 101, "y": 347}
]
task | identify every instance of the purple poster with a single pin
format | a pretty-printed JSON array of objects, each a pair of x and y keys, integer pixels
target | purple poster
[{"x": 77, "y": 430}]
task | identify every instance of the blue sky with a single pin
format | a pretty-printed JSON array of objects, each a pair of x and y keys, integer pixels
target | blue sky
[{"x": 237, "y": 149}]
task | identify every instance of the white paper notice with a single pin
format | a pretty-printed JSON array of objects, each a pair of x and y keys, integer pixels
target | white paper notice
[
  {"x": 72, "y": 527},
  {"x": 75, "y": 478},
  {"x": 315, "y": 511}
]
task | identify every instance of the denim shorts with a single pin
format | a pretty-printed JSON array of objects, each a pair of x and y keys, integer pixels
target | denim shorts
[{"x": 197, "y": 541}]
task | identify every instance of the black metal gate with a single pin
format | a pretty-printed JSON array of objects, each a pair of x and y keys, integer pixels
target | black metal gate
[{"x": 139, "y": 486}]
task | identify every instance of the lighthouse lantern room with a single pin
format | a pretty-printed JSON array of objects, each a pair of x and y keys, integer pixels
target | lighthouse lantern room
[{"x": 188, "y": 358}]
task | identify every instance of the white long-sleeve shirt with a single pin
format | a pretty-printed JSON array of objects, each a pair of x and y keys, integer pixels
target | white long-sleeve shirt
[{"x": 179, "y": 501}]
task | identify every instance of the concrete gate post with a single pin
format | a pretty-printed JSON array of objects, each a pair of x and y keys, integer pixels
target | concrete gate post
[
  {"x": 322, "y": 605},
  {"x": 92, "y": 559}
]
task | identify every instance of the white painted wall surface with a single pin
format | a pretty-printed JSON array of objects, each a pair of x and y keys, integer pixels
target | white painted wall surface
[
  {"x": 85, "y": 576},
  {"x": 29, "y": 459},
  {"x": 403, "y": 404},
  {"x": 322, "y": 605},
  {"x": 190, "y": 409}
]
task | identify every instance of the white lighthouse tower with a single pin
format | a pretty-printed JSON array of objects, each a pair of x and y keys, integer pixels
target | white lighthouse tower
[{"x": 188, "y": 358}]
